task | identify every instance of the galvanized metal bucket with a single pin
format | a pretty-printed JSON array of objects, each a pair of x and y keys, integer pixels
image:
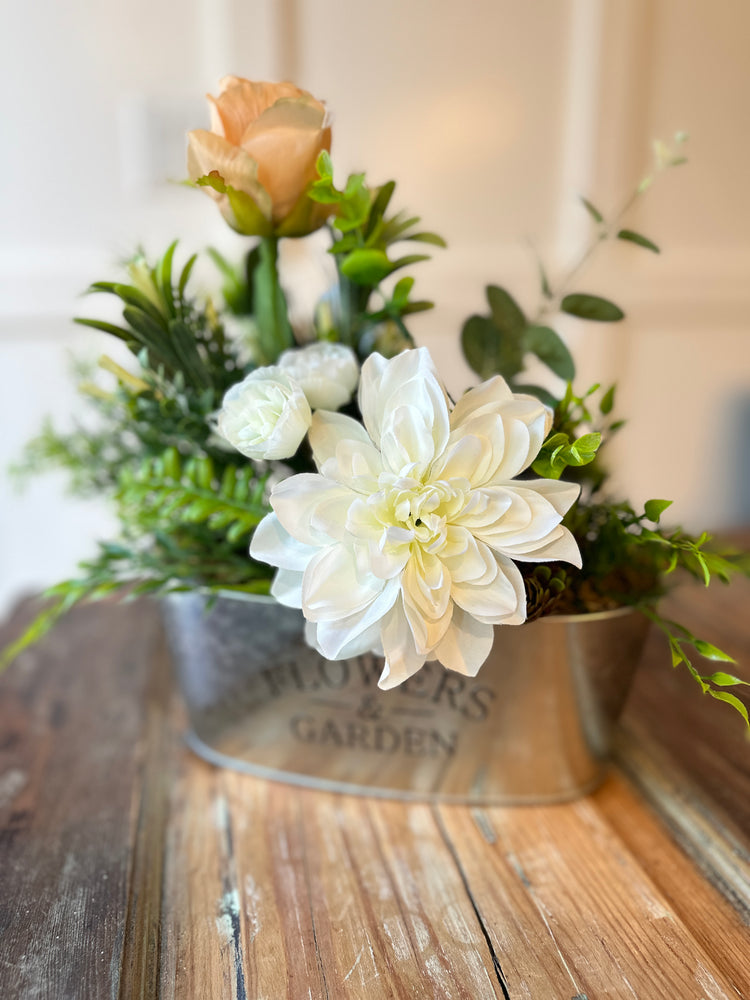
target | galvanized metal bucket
[{"x": 534, "y": 726}]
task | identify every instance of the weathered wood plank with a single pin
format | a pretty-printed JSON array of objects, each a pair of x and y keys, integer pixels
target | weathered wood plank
[
  {"x": 606, "y": 923},
  {"x": 70, "y": 728},
  {"x": 129, "y": 868},
  {"x": 705, "y": 738},
  {"x": 710, "y": 919},
  {"x": 317, "y": 896}
]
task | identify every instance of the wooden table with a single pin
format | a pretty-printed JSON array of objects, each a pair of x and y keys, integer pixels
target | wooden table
[{"x": 131, "y": 869}]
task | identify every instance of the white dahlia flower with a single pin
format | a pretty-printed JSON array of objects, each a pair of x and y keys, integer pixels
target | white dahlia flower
[{"x": 405, "y": 542}]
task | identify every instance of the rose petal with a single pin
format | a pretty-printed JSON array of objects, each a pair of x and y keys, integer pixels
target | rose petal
[
  {"x": 208, "y": 152},
  {"x": 286, "y": 141}
]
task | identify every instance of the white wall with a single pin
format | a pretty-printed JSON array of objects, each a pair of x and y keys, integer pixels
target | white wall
[{"x": 492, "y": 115}]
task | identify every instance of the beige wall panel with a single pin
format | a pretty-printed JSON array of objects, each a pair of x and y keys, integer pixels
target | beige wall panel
[{"x": 462, "y": 103}]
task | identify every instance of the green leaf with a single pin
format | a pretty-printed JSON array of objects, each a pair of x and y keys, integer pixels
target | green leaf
[
  {"x": 591, "y": 307},
  {"x": 164, "y": 270},
  {"x": 487, "y": 351},
  {"x": 632, "y": 237},
  {"x": 402, "y": 290},
  {"x": 97, "y": 324},
  {"x": 130, "y": 295},
  {"x": 551, "y": 350},
  {"x": 726, "y": 680},
  {"x": 366, "y": 267},
  {"x": 594, "y": 212},
  {"x": 588, "y": 444},
  {"x": 712, "y": 652},
  {"x": 413, "y": 258},
  {"x": 480, "y": 341},
  {"x": 432, "y": 238},
  {"x": 608, "y": 401},
  {"x": 185, "y": 275},
  {"x": 250, "y": 218},
  {"x": 732, "y": 700},
  {"x": 506, "y": 313},
  {"x": 655, "y": 508},
  {"x": 379, "y": 205}
]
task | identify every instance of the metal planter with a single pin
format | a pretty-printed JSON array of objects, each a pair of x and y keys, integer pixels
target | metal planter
[{"x": 534, "y": 726}]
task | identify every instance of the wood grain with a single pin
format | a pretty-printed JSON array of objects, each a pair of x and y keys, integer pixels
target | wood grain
[
  {"x": 71, "y": 732},
  {"x": 131, "y": 869}
]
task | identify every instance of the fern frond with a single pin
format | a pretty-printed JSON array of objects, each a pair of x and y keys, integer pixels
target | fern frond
[{"x": 168, "y": 491}]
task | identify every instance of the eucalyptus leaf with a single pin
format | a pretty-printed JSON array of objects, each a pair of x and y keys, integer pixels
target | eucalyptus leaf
[
  {"x": 550, "y": 349},
  {"x": 487, "y": 351},
  {"x": 506, "y": 313},
  {"x": 642, "y": 241},
  {"x": 594, "y": 212},
  {"x": 480, "y": 340},
  {"x": 591, "y": 307}
]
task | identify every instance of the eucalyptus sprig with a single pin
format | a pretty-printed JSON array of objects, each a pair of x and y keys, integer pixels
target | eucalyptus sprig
[{"x": 502, "y": 341}]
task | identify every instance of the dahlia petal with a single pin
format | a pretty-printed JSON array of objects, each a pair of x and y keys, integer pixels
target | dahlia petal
[
  {"x": 473, "y": 563},
  {"x": 384, "y": 384},
  {"x": 426, "y": 590},
  {"x": 491, "y": 601},
  {"x": 465, "y": 457},
  {"x": 491, "y": 396},
  {"x": 529, "y": 518},
  {"x": 561, "y": 495},
  {"x": 287, "y": 587},
  {"x": 407, "y": 441},
  {"x": 401, "y": 657},
  {"x": 334, "y": 588},
  {"x": 327, "y": 636},
  {"x": 358, "y": 632},
  {"x": 311, "y": 507},
  {"x": 466, "y": 644},
  {"x": 558, "y": 546},
  {"x": 272, "y": 543}
]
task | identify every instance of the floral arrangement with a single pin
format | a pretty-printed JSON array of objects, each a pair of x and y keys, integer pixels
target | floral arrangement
[{"x": 397, "y": 519}]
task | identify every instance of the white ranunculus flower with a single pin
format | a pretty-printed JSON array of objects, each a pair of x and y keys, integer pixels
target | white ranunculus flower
[
  {"x": 266, "y": 415},
  {"x": 328, "y": 373},
  {"x": 406, "y": 539}
]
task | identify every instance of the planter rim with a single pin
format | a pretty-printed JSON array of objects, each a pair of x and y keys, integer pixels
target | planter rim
[{"x": 568, "y": 619}]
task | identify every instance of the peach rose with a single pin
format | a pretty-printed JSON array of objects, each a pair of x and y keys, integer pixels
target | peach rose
[{"x": 259, "y": 157}]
